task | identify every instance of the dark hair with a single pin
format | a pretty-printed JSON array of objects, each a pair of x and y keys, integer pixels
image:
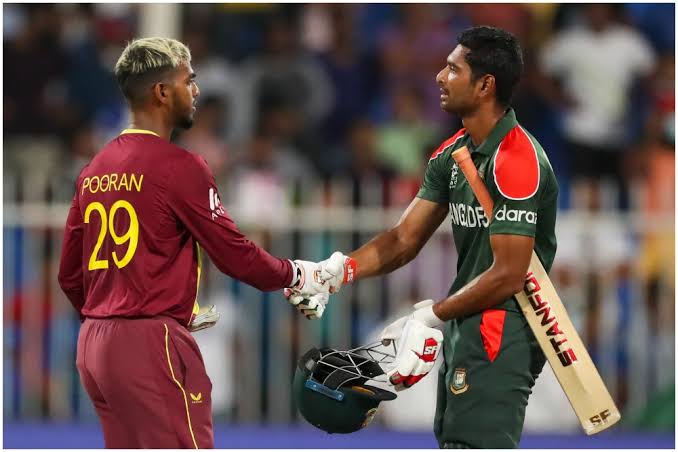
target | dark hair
[{"x": 497, "y": 52}]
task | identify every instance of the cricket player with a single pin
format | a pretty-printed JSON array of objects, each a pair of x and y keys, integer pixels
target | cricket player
[
  {"x": 130, "y": 263},
  {"x": 491, "y": 357}
]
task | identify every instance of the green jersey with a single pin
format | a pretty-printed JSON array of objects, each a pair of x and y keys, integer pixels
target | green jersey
[{"x": 522, "y": 185}]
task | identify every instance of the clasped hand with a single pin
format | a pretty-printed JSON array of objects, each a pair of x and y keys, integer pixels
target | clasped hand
[{"x": 314, "y": 282}]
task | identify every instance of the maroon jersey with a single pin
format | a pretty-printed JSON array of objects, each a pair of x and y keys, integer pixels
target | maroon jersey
[{"x": 142, "y": 210}]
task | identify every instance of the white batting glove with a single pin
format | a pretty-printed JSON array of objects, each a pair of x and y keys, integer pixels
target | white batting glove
[
  {"x": 423, "y": 312},
  {"x": 312, "y": 307},
  {"x": 418, "y": 348},
  {"x": 337, "y": 270},
  {"x": 306, "y": 278},
  {"x": 206, "y": 317}
]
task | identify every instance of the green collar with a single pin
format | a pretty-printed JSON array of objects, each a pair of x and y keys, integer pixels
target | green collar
[{"x": 503, "y": 126}]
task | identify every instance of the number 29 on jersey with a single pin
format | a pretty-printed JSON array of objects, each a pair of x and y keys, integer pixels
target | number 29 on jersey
[{"x": 131, "y": 236}]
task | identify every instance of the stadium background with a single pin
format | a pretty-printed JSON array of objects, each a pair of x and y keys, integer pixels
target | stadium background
[{"x": 317, "y": 121}]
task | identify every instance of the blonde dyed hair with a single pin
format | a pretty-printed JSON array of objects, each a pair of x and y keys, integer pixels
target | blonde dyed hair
[{"x": 145, "y": 61}]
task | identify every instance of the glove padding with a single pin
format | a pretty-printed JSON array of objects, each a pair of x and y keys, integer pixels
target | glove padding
[
  {"x": 306, "y": 279},
  {"x": 312, "y": 306},
  {"x": 205, "y": 318},
  {"x": 337, "y": 270},
  {"x": 418, "y": 349},
  {"x": 393, "y": 331}
]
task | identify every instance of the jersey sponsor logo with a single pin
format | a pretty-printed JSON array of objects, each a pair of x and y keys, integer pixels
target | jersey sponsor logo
[
  {"x": 518, "y": 216},
  {"x": 468, "y": 216},
  {"x": 215, "y": 204},
  {"x": 459, "y": 384},
  {"x": 196, "y": 398},
  {"x": 541, "y": 308}
]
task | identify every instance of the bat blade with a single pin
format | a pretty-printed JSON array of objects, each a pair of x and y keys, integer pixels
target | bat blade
[{"x": 567, "y": 355}]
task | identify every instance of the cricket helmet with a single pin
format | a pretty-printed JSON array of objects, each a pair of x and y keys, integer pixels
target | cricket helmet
[{"x": 330, "y": 387}]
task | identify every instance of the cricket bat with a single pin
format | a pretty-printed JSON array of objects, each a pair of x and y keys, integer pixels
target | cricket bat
[{"x": 553, "y": 329}]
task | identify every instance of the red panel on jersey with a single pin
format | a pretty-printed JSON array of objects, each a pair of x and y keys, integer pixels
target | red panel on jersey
[
  {"x": 447, "y": 143},
  {"x": 516, "y": 168},
  {"x": 491, "y": 329}
]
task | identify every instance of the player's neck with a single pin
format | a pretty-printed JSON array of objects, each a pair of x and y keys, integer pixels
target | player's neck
[
  {"x": 480, "y": 123},
  {"x": 146, "y": 121}
]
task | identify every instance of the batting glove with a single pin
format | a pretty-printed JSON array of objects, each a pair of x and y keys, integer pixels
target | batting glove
[
  {"x": 205, "y": 318},
  {"x": 312, "y": 307},
  {"x": 337, "y": 270},
  {"x": 418, "y": 349},
  {"x": 423, "y": 312},
  {"x": 306, "y": 279}
]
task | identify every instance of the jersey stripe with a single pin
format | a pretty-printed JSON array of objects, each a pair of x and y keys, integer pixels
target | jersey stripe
[
  {"x": 516, "y": 166},
  {"x": 169, "y": 363},
  {"x": 196, "y": 305},
  {"x": 491, "y": 330},
  {"x": 447, "y": 143}
]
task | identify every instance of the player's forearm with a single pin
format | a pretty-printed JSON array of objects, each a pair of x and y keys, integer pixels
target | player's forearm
[
  {"x": 383, "y": 254},
  {"x": 483, "y": 292},
  {"x": 254, "y": 266}
]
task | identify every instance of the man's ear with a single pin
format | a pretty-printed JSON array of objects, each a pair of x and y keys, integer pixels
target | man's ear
[
  {"x": 161, "y": 92},
  {"x": 487, "y": 85}
]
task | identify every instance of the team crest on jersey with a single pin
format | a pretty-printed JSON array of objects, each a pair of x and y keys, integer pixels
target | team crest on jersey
[
  {"x": 453, "y": 176},
  {"x": 459, "y": 384}
]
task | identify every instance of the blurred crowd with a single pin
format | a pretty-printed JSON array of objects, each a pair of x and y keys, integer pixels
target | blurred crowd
[
  {"x": 345, "y": 90},
  {"x": 298, "y": 92}
]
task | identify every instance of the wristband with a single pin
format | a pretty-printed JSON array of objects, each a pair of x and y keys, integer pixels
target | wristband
[{"x": 350, "y": 270}]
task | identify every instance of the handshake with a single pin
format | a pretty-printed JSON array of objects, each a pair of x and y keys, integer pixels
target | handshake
[
  {"x": 417, "y": 336},
  {"x": 312, "y": 283}
]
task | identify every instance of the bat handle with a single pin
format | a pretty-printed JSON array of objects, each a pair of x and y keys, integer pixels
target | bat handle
[{"x": 463, "y": 159}]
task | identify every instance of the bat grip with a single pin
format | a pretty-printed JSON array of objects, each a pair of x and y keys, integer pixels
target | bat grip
[{"x": 463, "y": 159}]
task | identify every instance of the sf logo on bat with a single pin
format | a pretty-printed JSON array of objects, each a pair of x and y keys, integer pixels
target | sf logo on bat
[{"x": 600, "y": 418}]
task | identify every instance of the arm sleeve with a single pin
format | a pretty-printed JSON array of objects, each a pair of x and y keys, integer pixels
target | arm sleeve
[
  {"x": 435, "y": 186},
  {"x": 515, "y": 215},
  {"x": 518, "y": 217},
  {"x": 194, "y": 199},
  {"x": 71, "y": 265},
  {"x": 516, "y": 181}
]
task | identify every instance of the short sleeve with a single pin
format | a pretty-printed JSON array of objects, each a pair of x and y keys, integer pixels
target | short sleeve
[
  {"x": 436, "y": 184},
  {"x": 516, "y": 185}
]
